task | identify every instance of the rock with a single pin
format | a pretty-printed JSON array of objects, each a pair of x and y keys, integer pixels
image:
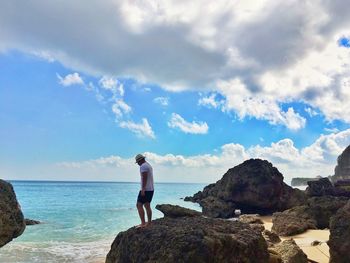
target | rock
[
  {"x": 316, "y": 243},
  {"x": 339, "y": 241},
  {"x": 290, "y": 252},
  {"x": 189, "y": 239},
  {"x": 320, "y": 187},
  {"x": 342, "y": 170},
  {"x": 250, "y": 219},
  {"x": 302, "y": 181},
  {"x": 292, "y": 221},
  {"x": 11, "y": 218},
  {"x": 30, "y": 222},
  {"x": 254, "y": 186},
  {"x": 271, "y": 237},
  {"x": 177, "y": 211},
  {"x": 274, "y": 256},
  {"x": 257, "y": 227},
  {"x": 315, "y": 214}
]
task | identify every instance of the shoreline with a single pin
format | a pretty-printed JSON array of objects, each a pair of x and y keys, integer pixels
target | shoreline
[{"x": 319, "y": 253}]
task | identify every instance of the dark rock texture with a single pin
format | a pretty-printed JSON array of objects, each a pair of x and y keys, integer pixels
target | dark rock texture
[
  {"x": 11, "y": 218},
  {"x": 290, "y": 252},
  {"x": 175, "y": 211},
  {"x": 339, "y": 239},
  {"x": 292, "y": 221},
  {"x": 315, "y": 214},
  {"x": 320, "y": 187},
  {"x": 342, "y": 170},
  {"x": 271, "y": 237},
  {"x": 254, "y": 186},
  {"x": 250, "y": 219},
  {"x": 190, "y": 239}
]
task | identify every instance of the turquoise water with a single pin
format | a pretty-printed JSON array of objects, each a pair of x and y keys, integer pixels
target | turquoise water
[{"x": 81, "y": 219}]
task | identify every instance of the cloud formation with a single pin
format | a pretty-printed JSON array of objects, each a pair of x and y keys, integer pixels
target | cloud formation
[
  {"x": 280, "y": 51},
  {"x": 316, "y": 159},
  {"x": 142, "y": 129},
  {"x": 70, "y": 79},
  {"x": 193, "y": 127}
]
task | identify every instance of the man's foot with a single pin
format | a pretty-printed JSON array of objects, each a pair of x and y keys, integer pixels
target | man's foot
[
  {"x": 148, "y": 223},
  {"x": 141, "y": 226}
]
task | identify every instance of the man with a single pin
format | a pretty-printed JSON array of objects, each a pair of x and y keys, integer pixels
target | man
[{"x": 146, "y": 193}]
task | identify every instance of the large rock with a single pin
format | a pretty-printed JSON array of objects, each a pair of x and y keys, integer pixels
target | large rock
[
  {"x": 12, "y": 222},
  {"x": 320, "y": 187},
  {"x": 315, "y": 214},
  {"x": 290, "y": 252},
  {"x": 342, "y": 170},
  {"x": 175, "y": 211},
  {"x": 254, "y": 186},
  {"x": 292, "y": 221},
  {"x": 339, "y": 241},
  {"x": 189, "y": 239}
]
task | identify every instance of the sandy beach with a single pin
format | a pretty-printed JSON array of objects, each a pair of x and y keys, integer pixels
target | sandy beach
[{"x": 319, "y": 253}]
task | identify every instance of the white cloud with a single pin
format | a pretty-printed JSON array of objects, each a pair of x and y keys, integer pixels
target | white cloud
[
  {"x": 318, "y": 158},
  {"x": 120, "y": 108},
  {"x": 142, "y": 129},
  {"x": 193, "y": 127},
  {"x": 209, "y": 101},
  {"x": 112, "y": 85},
  {"x": 311, "y": 112},
  {"x": 164, "y": 101},
  {"x": 70, "y": 79},
  {"x": 298, "y": 60}
]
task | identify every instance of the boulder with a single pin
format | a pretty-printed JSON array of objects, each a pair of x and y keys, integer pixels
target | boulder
[
  {"x": 12, "y": 222},
  {"x": 315, "y": 214},
  {"x": 254, "y": 186},
  {"x": 189, "y": 239},
  {"x": 290, "y": 252},
  {"x": 250, "y": 219},
  {"x": 339, "y": 241},
  {"x": 175, "y": 211},
  {"x": 342, "y": 169},
  {"x": 271, "y": 237},
  {"x": 292, "y": 221},
  {"x": 322, "y": 186}
]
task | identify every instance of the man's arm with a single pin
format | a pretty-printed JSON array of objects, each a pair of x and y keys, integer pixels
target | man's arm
[{"x": 144, "y": 182}]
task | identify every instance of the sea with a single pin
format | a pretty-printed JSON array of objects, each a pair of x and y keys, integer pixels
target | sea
[{"x": 80, "y": 220}]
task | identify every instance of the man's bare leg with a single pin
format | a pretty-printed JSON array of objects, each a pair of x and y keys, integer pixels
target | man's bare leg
[
  {"x": 149, "y": 212},
  {"x": 141, "y": 214}
]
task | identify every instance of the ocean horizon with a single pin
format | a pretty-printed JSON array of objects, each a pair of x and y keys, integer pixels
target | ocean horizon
[{"x": 81, "y": 219}]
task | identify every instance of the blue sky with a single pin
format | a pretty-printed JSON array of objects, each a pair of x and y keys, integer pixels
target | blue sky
[{"x": 78, "y": 102}]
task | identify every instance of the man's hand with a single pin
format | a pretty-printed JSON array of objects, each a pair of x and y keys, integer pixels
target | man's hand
[{"x": 142, "y": 192}]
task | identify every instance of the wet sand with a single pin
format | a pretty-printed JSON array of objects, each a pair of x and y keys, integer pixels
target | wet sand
[{"x": 319, "y": 253}]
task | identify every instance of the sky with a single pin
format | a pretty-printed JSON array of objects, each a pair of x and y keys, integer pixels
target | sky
[{"x": 196, "y": 86}]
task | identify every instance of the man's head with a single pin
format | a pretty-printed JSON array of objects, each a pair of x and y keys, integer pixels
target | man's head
[{"x": 140, "y": 159}]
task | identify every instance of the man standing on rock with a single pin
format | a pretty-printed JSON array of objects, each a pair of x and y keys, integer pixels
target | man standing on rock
[{"x": 147, "y": 188}]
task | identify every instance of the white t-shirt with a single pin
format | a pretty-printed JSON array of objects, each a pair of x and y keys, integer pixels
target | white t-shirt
[{"x": 146, "y": 167}]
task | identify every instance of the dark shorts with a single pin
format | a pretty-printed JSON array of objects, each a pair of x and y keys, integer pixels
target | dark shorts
[{"x": 147, "y": 198}]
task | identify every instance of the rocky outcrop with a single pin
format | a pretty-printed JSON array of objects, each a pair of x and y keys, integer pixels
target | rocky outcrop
[
  {"x": 254, "y": 186},
  {"x": 320, "y": 187},
  {"x": 302, "y": 181},
  {"x": 292, "y": 221},
  {"x": 271, "y": 237},
  {"x": 315, "y": 214},
  {"x": 189, "y": 239},
  {"x": 11, "y": 218},
  {"x": 175, "y": 211},
  {"x": 290, "y": 252},
  {"x": 251, "y": 219},
  {"x": 339, "y": 241},
  {"x": 30, "y": 222},
  {"x": 342, "y": 170}
]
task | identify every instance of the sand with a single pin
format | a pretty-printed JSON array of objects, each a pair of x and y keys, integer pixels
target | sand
[{"x": 319, "y": 253}]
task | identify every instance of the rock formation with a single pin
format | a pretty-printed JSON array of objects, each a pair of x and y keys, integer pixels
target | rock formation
[
  {"x": 339, "y": 241},
  {"x": 342, "y": 170},
  {"x": 315, "y": 214},
  {"x": 254, "y": 186},
  {"x": 320, "y": 187},
  {"x": 30, "y": 222},
  {"x": 175, "y": 211},
  {"x": 190, "y": 239},
  {"x": 290, "y": 252},
  {"x": 12, "y": 222}
]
